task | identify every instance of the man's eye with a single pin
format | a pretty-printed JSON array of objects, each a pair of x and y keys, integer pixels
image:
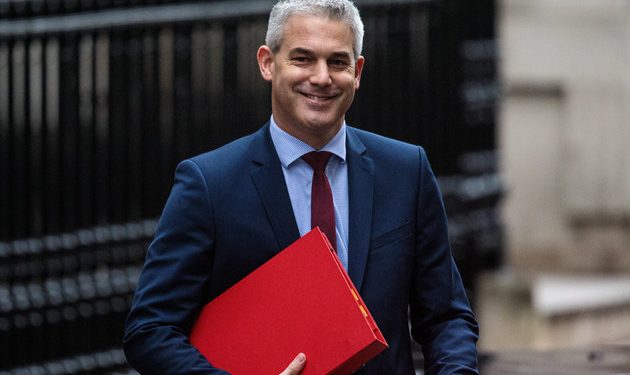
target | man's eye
[
  {"x": 300, "y": 59},
  {"x": 338, "y": 63}
]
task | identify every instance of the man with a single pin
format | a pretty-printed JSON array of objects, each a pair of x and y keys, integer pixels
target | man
[{"x": 234, "y": 208}]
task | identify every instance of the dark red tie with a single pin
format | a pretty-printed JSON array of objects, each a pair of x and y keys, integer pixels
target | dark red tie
[{"x": 322, "y": 209}]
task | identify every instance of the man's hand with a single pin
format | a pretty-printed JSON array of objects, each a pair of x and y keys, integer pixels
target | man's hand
[{"x": 296, "y": 366}]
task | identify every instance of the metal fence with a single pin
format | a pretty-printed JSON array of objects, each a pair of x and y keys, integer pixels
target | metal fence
[{"x": 99, "y": 99}]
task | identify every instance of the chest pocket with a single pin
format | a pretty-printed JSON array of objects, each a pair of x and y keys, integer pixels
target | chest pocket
[{"x": 398, "y": 233}]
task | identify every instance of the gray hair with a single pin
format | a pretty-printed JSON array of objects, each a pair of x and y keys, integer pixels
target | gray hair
[{"x": 339, "y": 10}]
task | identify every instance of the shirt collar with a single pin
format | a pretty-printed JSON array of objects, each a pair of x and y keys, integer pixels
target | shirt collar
[{"x": 290, "y": 149}]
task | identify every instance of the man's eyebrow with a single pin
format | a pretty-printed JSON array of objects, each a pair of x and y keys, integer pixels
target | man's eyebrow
[
  {"x": 341, "y": 54},
  {"x": 304, "y": 51},
  {"x": 299, "y": 50}
]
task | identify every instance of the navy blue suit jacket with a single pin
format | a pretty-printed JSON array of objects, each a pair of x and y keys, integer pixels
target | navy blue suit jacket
[{"x": 229, "y": 212}]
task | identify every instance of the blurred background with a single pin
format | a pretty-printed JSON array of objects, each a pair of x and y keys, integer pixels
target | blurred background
[{"x": 522, "y": 107}]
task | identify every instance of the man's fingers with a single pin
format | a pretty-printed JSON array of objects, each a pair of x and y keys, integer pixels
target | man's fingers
[{"x": 296, "y": 366}]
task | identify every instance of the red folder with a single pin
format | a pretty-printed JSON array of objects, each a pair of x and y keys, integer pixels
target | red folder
[{"x": 301, "y": 300}]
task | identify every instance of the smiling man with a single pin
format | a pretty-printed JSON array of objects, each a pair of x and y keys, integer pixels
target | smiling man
[
  {"x": 314, "y": 74},
  {"x": 376, "y": 199}
]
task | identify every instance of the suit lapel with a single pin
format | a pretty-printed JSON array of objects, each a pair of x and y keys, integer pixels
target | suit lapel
[
  {"x": 360, "y": 193},
  {"x": 269, "y": 181}
]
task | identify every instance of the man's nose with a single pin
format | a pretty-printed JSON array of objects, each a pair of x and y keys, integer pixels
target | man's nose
[{"x": 321, "y": 74}]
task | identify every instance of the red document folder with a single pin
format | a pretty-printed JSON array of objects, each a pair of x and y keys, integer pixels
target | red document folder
[{"x": 301, "y": 300}]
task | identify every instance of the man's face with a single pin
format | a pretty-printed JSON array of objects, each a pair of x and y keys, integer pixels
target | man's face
[{"x": 313, "y": 77}]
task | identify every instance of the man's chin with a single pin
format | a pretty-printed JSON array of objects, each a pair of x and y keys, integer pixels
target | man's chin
[
  {"x": 323, "y": 126},
  {"x": 323, "y": 117}
]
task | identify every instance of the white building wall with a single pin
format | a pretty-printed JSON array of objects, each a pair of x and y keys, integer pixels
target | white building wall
[
  {"x": 565, "y": 132},
  {"x": 564, "y": 141}
]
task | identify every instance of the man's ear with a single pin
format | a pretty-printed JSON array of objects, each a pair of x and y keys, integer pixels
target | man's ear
[
  {"x": 358, "y": 69},
  {"x": 265, "y": 62}
]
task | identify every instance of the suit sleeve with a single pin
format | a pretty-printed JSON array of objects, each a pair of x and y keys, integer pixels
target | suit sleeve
[
  {"x": 172, "y": 287},
  {"x": 441, "y": 318}
]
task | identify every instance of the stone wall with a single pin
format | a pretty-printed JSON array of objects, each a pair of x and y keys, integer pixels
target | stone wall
[
  {"x": 564, "y": 142},
  {"x": 565, "y": 133}
]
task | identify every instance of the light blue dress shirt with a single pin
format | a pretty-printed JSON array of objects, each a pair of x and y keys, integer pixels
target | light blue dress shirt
[{"x": 298, "y": 176}]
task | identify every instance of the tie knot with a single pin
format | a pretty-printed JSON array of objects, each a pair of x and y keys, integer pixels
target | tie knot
[{"x": 317, "y": 159}]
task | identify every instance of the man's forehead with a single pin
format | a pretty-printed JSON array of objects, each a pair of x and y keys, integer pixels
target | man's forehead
[{"x": 303, "y": 33}]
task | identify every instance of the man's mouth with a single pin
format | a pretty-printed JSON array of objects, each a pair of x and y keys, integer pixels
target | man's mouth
[{"x": 318, "y": 98}]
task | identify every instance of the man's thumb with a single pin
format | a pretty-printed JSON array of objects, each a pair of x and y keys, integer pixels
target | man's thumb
[{"x": 296, "y": 366}]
